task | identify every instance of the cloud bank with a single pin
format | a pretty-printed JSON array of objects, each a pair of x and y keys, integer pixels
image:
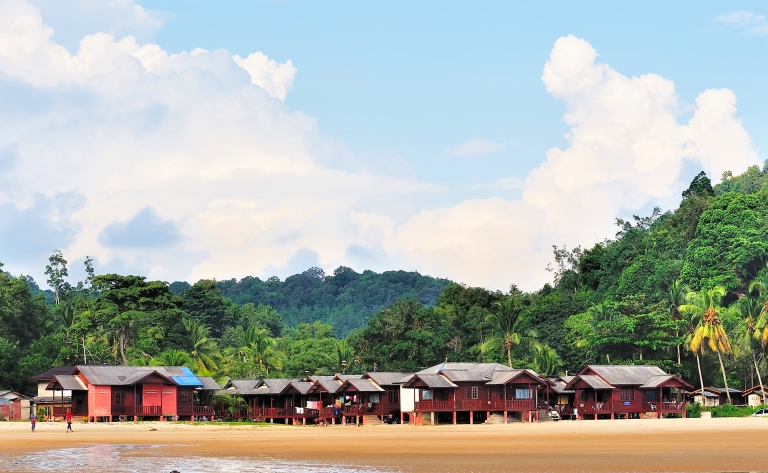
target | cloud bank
[{"x": 190, "y": 165}]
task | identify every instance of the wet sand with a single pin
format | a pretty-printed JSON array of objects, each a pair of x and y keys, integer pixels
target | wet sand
[{"x": 690, "y": 445}]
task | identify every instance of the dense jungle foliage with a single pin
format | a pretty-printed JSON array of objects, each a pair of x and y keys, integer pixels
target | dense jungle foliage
[{"x": 681, "y": 289}]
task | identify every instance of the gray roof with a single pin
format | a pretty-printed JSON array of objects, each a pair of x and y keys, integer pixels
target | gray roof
[
  {"x": 241, "y": 386},
  {"x": 559, "y": 384},
  {"x": 51, "y": 400},
  {"x": 48, "y": 375},
  {"x": 485, "y": 370},
  {"x": 105, "y": 375},
  {"x": 386, "y": 378},
  {"x": 595, "y": 382},
  {"x": 272, "y": 386},
  {"x": 345, "y": 377},
  {"x": 362, "y": 385},
  {"x": 331, "y": 385},
  {"x": 67, "y": 382},
  {"x": 301, "y": 386},
  {"x": 209, "y": 384},
  {"x": 626, "y": 375},
  {"x": 503, "y": 377},
  {"x": 464, "y": 376},
  {"x": 722, "y": 390},
  {"x": 434, "y": 381},
  {"x": 656, "y": 381}
]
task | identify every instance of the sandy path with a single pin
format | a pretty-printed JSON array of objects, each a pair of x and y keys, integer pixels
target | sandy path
[{"x": 691, "y": 445}]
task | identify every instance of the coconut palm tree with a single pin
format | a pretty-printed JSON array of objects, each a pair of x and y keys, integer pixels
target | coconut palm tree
[
  {"x": 507, "y": 326},
  {"x": 708, "y": 333},
  {"x": 345, "y": 355},
  {"x": 258, "y": 347},
  {"x": 204, "y": 349},
  {"x": 676, "y": 298},
  {"x": 545, "y": 360},
  {"x": 171, "y": 357},
  {"x": 230, "y": 404},
  {"x": 750, "y": 310}
]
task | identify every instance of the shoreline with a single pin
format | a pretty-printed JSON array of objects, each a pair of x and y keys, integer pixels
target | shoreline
[{"x": 700, "y": 445}]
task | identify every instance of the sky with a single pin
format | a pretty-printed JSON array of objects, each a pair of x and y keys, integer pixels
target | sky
[{"x": 193, "y": 139}]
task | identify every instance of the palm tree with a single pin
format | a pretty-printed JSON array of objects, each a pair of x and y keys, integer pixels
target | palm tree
[
  {"x": 230, "y": 404},
  {"x": 345, "y": 355},
  {"x": 600, "y": 320},
  {"x": 709, "y": 332},
  {"x": 750, "y": 310},
  {"x": 676, "y": 298},
  {"x": 171, "y": 357},
  {"x": 258, "y": 347},
  {"x": 545, "y": 360},
  {"x": 507, "y": 325},
  {"x": 204, "y": 349}
]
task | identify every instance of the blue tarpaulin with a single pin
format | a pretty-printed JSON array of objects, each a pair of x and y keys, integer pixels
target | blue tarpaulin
[{"x": 189, "y": 379}]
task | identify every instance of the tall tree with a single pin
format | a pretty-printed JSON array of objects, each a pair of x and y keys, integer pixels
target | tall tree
[
  {"x": 709, "y": 332},
  {"x": 203, "y": 348},
  {"x": 675, "y": 299},
  {"x": 507, "y": 326},
  {"x": 56, "y": 270}
]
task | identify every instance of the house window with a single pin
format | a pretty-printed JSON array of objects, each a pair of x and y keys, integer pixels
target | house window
[
  {"x": 138, "y": 399},
  {"x": 183, "y": 398},
  {"x": 627, "y": 394},
  {"x": 562, "y": 399},
  {"x": 472, "y": 392},
  {"x": 393, "y": 395},
  {"x": 523, "y": 394},
  {"x": 583, "y": 396},
  {"x": 426, "y": 395},
  {"x": 118, "y": 399},
  {"x": 374, "y": 398}
]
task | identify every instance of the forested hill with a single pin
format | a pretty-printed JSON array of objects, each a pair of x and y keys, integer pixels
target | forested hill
[{"x": 345, "y": 299}]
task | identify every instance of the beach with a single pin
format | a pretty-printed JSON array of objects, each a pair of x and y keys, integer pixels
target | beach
[{"x": 691, "y": 445}]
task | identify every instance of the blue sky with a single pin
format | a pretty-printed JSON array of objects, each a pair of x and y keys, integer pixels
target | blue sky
[{"x": 415, "y": 135}]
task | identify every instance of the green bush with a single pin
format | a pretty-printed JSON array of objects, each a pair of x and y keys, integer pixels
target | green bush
[
  {"x": 729, "y": 410},
  {"x": 693, "y": 410}
]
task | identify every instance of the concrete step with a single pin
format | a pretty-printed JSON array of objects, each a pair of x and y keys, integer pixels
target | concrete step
[
  {"x": 372, "y": 420},
  {"x": 495, "y": 419},
  {"x": 544, "y": 416}
]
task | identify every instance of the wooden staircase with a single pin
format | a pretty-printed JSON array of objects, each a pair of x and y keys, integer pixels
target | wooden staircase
[{"x": 372, "y": 420}]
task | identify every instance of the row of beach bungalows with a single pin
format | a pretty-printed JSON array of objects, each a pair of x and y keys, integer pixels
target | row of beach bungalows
[{"x": 444, "y": 393}]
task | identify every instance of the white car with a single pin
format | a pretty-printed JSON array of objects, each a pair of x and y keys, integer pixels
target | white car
[
  {"x": 555, "y": 416},
  {"x": 761, "y": 413}
]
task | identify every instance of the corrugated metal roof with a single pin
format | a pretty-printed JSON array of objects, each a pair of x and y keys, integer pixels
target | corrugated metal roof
[
  {"x": 105, "y": 375},
  {"x": 595, "y": 382},
  {"x": 301, "y": 387},
  {"x": 345, "y": 377},
  {"x": 434, "y": 381},
  {"x": 722, "y": 390},
  {"x": 485, "y": 370},
  {"x": 626, "y": 375},
  {"x": 51, "y": 400},
  {"x": 241, "y": 386},
  {"x": 386, "y": 378},
  {"x": 66, "y": 382},
  {"x": 464, "y": 376},
  {"x": 655, "y": 381},
  {"x": 331, "y": 385},
  {"x": 272, "y": 386},
  {"x": 559, "y": 384},
  {"x": 503, "y": 377},
  {"x": 362, "y": 385},
  {"x": 48, "y": 375},
  {"x": 208, "y": 383}
]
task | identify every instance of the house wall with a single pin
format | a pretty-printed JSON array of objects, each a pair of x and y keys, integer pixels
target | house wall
[
  {"x": 41, "y": 391},
  {"x": 99, "y": 401},
  {"x": 169, "y": 400},
  {"x": 406, "y": 399},
  {"x": 150, "y": 394}
]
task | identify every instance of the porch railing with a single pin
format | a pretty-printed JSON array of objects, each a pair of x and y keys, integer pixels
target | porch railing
[
  {"x": 435, "y": 406},
  {"x": 203, "y": 410},
  {"x": 665, "y": 406}
]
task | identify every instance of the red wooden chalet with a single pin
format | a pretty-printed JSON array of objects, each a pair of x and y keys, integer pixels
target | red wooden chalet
[
  {"x": 607, "y": 391},
  {"x": 457, "y": 392},
  {"x": 105, "y": 393}
]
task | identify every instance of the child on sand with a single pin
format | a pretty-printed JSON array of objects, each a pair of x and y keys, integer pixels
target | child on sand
[
  {"x": 69, "y": 422},
  {"x": 33, "y": 421}
]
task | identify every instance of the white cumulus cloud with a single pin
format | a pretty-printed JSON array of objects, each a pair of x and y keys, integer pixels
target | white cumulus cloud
[{"x": 626, "y": 150}]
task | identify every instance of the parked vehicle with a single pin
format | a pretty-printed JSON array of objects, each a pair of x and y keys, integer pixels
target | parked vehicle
[
  {"x": 393, "y": 417},
  {"x": 761, "y": 413},
  {"x": 554, "y": 415}
]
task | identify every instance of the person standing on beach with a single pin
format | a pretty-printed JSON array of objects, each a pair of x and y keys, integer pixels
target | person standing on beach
[
  {"x": 69, "y": 422},
  {"x": 32, "y": 420}
]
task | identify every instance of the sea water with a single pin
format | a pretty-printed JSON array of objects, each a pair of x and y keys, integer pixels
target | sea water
[{"x": 150, "y": 458}]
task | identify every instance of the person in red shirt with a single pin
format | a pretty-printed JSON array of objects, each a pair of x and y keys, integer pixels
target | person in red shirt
[{"x": 69, "y": 422}]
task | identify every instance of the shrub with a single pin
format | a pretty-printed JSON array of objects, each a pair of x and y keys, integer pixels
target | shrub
[
  {"x": 729, "y": 410},
  {"x": 693, "y": 410}
]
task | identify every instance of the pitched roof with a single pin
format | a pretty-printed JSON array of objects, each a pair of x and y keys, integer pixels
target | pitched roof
[
  {"x": 51, "y": 400},
  {"x": 504, "y": 377},
  {"x": 48, "y": 375},
  {"x": 721, "y": 390},
  {"x": 362, "y": 385},
  {"x": 241, "y": 386},
  {"x": 106, "y": 375},
  {"x": 656, "y": 381},
  {"x": 595, "y": 382},
  {"x": 485, "y": 370},
  {"x": 623, "y": 375},
  {"x": 434, "y": 381},
  {"x": 301, "y": 386},
  {"x": 386, "y": 378},
  {"x": 66, "y": 382},
  {"x": 749, "y": 391},
  {"x": 209, "y": 384},
  {"x": 464, "y": 376},
  {"x": 559, "y": 384},
  {"x": 345, "y": 377},
  {"x": 272, "y": 386},
  {"x": 329, "y": 383}
]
